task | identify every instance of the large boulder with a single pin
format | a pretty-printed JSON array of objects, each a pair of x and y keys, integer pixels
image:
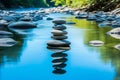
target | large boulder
[{"x": 22, "y": 25}]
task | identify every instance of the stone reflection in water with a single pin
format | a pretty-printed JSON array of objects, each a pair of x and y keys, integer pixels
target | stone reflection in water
[
  {"x": 58, "y": 61},
  {"x": 115, "y": 33},
  {"x": 11, "y": 55},
  {"x": 107, "y": 52}
]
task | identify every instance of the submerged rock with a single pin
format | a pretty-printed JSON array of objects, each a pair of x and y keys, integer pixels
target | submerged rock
[
  {"x": 96, "y": 43},
  {"x": 49, "y": 18},
  {"x": 22, "y": 25},
  {"x": 7, "y": 42}
]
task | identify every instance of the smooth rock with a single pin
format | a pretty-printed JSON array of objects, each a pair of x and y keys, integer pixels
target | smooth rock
[
  {"x": 59, "y": 37},
  {"x": 58, "y": 32},
  {"x": 60, "y": 48},
  {"x": 96, "y": 43},
  {"x": 59, "y": 21},
  {"x": 58, "y": 43},
  {"x": 22, "y": 25}
]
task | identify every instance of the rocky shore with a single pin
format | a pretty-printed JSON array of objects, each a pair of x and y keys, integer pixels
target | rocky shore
[{"x": 26, "y": 20}]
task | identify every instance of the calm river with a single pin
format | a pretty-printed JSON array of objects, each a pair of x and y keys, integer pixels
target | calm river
[{"x": 31, "y": 60}]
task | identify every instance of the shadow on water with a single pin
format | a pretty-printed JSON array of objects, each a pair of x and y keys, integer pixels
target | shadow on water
[{"x": 107, "y": 52}]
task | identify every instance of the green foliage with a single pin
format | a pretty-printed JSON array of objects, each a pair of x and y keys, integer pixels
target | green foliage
[
  {"x": 24, "y": 3},
  {"x": 59, "y": 2}
]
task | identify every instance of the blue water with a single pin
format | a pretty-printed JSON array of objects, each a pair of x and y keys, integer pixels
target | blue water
[{"x": 31, "y": 60}]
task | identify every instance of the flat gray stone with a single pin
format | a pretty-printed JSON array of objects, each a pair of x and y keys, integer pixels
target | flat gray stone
[
  {"x": 22, "y": 25},
  {"x": 59, "y": 21},
  {"x": 58, "y": 32},
  {"x": 59, "y": 37},
  {"x": 58, "y": 43}
]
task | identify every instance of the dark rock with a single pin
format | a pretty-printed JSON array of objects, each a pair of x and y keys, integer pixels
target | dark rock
[
  {"x": 49, "y": 18},
  {"x": 59, "y": 37},
  {"x": 59, "y": 21},
  {"x": 22, "y": 25},
  {"x": 58, "y": 43}
]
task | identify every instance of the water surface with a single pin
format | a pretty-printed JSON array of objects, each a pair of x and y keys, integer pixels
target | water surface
[{"x": 31, "y": 60}]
